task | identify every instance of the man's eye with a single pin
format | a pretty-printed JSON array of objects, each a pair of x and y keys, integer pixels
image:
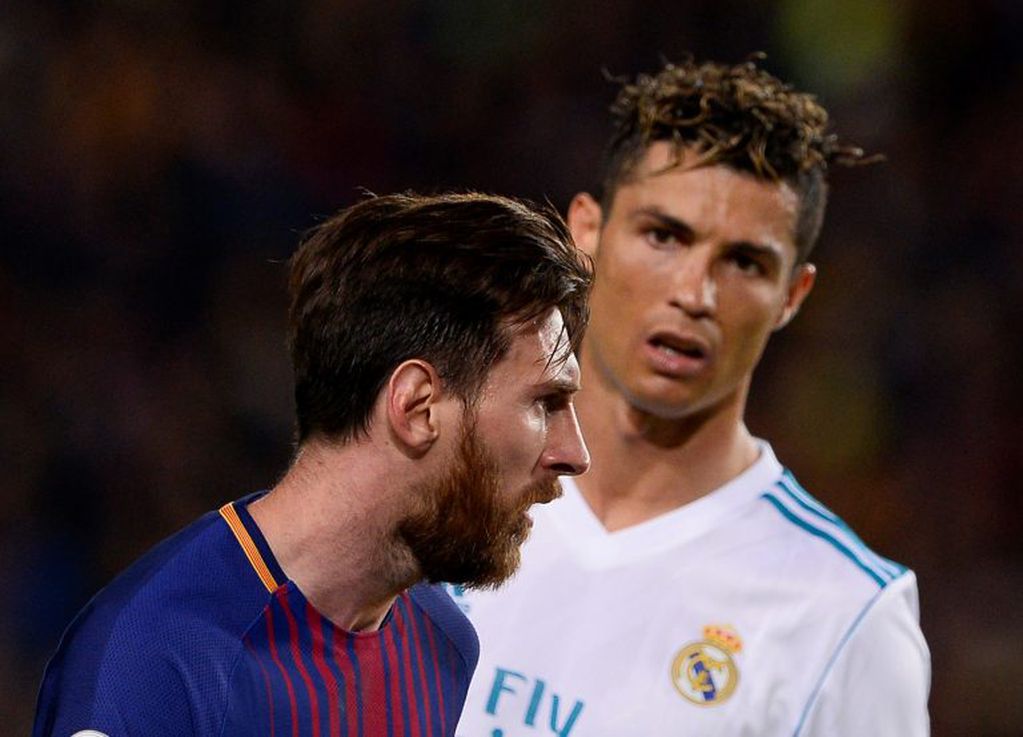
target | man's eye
[
  {"x": 661, "y": 237},
  {"x": 747, "y": 264},
  {"x": 554, "y": 402}
]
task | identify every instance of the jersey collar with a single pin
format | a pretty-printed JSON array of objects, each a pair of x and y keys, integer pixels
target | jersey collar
[{"x": 591, "y": 542}]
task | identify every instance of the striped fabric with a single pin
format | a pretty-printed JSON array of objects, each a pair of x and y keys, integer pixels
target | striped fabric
[
  {"x": 206, "y": 635},
  {"x": 316, "y": 679},
  {"x": 797, "y": 506},
  {"x": 407, "y": 679}
]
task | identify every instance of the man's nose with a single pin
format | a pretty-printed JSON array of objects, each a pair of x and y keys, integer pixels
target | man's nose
[
  {"x": 566, "y": 453},
  {"x": 694, "y": 289}
]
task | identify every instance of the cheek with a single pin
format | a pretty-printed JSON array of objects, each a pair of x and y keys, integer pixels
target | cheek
[
  {"x": 750, "y": 321},
  {"x": 625, "y": 285},
  {"x": 519, "y": 441}
]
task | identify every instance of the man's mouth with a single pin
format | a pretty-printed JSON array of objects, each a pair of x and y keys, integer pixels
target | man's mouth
[
  {"x": 678, "y": 349},
  {"x": 677, "y": 355}
]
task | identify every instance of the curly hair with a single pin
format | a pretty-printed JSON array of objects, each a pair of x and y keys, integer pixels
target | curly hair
[{"x": 739, "y": 116}]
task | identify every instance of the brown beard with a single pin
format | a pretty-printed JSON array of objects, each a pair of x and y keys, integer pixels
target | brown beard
[{"x": 463, "y": 533}]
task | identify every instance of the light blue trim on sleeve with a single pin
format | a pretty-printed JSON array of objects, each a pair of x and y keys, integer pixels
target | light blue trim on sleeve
[{"x": 834, "y": 657}]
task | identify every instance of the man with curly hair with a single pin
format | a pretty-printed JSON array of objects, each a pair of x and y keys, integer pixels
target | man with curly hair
[{"x": 688, "y": 585}]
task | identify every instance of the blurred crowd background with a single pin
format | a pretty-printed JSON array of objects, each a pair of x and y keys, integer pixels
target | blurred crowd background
[{"x": 159, "y": 161}]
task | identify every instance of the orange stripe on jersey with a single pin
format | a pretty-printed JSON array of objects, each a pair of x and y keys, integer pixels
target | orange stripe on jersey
[{"x": 248, "y": 546}]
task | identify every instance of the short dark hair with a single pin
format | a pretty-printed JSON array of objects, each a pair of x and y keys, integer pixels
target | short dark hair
[
  {"x": 445, "y": 278},
  {"x": 739, "y": 116}
]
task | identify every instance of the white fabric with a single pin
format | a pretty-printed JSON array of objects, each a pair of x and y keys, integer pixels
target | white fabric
[{"x": 583, "y": 641}]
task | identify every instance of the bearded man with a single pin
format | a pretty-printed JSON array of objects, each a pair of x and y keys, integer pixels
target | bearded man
[{"x": 432, "y": 340}]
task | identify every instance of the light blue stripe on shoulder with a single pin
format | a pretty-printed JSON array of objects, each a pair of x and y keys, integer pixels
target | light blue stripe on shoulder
[
  {"x": 802, "y": 497},
  {"x": 899, "y": 568},
  {"x": 817, "y": 532}
]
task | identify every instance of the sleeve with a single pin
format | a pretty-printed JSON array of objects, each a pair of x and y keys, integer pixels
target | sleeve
[
  {"x": 115, "y": 692},
  {"x": 878, "y": 681}
]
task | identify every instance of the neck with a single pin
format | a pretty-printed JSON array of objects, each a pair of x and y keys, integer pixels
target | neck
[
  {"x": 644, "y": 465},
  {"x": 330, "y": 523}
]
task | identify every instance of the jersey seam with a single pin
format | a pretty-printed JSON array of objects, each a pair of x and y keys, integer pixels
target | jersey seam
[
  {"x": 442, "y": 626},
  {"x": 237, "y": 661},
  {"x": 839, "y": 650},
  {"x": 140, "y": 588}
]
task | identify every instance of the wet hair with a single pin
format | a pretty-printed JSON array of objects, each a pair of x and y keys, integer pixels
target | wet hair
[
  {"x": 739, "y": 116},
  {"x": 446, "y": 278}
]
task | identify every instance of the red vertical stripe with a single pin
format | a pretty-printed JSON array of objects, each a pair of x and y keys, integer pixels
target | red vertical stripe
[
  {"x": 296, "y": 655},
  {"x": 272, "y": 638},
  {"x": 374, "y": 701},
  {"x": 435, "y": 657},
  {"x": 409, "y": 677},
  {"x": 344, "y": 664},
  {"x": 333, "y": 692},
  {"x": 266, "y": 682},
  {"x": 395, "y": 685}
]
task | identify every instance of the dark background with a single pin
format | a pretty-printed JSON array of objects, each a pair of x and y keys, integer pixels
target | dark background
[{"x": 159, "y": 160}]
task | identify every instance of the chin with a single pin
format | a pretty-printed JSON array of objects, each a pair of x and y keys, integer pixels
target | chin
[
  {"x": 664, "y": 405},
  {"x": 678, "y": 406}
]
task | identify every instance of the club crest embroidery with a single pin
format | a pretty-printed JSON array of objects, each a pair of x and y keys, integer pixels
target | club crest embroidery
[{"x": 704, "y": 672}]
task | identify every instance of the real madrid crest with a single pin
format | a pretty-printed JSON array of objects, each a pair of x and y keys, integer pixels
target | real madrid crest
[{"x": 704, "y": 672}]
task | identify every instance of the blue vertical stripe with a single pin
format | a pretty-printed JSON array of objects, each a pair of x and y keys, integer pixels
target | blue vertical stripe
[
  {"x": 414, "y": 658},
  {"x": 335, "y": 669},
  {"x": 350, "y": 649},
  {"x": 400, "y": 667},
  {"x": 305, "y": 648},
  {"x": 389, "y": 707},
  {"x": 429, "y": 662}
]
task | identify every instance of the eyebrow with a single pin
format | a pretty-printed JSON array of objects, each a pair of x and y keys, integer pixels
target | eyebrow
[
  {"x": 680, "y": 227},
  {"x": 671, "y": 223},
  {"x": 559, "y": 385}
]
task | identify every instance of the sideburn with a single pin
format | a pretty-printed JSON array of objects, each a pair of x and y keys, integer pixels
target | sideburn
[{"x": 463, "y": 533}]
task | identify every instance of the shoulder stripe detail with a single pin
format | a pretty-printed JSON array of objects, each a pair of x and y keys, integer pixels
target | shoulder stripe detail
[
  {"x": 793, "y": 487},
  {"x": 798, "y": 517},
  {"x": 248, "y": 546},
  {"x": 831, "y": 522}
]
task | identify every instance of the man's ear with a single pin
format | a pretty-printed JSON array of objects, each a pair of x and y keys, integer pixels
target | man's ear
[
  {"x": 411, "y": 403},
  {"x": 800, "y": 285},
  {"x": 584, "y": 221}
]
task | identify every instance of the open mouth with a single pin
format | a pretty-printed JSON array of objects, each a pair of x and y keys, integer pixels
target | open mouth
[
  {"x": 677, "y": 345},
  {"x": 679, "y": 348},
  {"x": 676, "y": 355}
]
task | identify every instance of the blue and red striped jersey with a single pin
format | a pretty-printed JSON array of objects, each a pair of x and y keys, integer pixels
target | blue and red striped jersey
[{"x": 205, "y": 635}]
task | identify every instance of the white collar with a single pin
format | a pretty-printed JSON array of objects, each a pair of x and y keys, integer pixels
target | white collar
[{"x": 583, "y": 532}]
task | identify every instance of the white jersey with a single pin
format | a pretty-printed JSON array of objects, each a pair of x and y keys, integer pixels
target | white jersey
[{"x": 751, "y": 611}]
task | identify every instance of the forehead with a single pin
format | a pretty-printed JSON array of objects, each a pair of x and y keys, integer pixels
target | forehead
[
  {"x": 734, "y": 204},
  {"x": 539, "y": 353}
]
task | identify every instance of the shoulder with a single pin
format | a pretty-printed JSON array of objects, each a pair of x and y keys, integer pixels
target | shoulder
[
  {"x": 151, "y": 644},
  {"x": 448, "y": 617},
  {"x": 820, "y": 546},
  {"x": 867, "y": 605},
  {"x": 883, "y": 660}
]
